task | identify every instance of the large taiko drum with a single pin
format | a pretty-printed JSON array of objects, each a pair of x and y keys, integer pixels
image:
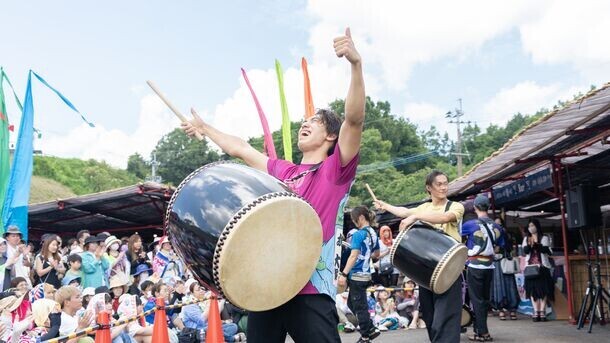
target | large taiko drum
[
  {"x": 429, "y": 257},
  {"x": 244, "y": 234}
]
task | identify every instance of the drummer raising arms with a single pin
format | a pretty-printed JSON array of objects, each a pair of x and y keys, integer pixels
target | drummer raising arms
[
  {"x": 330, "y": 156},
  {"x": 440, "y": 312}
]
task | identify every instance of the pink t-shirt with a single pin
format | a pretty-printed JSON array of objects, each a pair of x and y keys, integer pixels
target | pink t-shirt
[{"x": 327, "y": 190}]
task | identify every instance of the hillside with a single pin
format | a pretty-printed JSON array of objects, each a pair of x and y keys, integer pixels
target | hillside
[
  {"x": 43, "y": 189},
  {"x": 82, "y": 176}
]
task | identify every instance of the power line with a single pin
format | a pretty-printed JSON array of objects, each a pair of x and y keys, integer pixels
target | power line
[{"x": 393, "y": 163}]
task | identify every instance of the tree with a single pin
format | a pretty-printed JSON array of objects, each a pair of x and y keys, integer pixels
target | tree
[
  {"x": 178, "y": 156},
  {"x": 373, "y": 147},
  {"x": 138, "y": 166},
  {"x": 399, "y": 131}
]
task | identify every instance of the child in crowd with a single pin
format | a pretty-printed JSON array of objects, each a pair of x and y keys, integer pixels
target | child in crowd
[
  {"x": 146, "y": 288},
  {"x": 75, "y": 264},
  {"x": 118, "y": 287}
]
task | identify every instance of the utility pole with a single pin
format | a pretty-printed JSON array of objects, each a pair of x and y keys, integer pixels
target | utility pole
[
  {"x": 153, "y": 165},
  {"x": 454, "y": 118}
]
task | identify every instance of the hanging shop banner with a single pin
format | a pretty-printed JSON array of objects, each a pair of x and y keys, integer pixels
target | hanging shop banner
[{"x": 533, "y": 183}]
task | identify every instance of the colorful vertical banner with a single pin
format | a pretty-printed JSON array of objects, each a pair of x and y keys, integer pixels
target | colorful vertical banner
[
  {"x": 286, "y": 135},
  {"x": 15, "y": 210},
  {"x": 309, "y": 107},
  {"x": 269, "y": 146},
  {"x": 5, "y": 163},
  {"x": 5, "y": 154}
]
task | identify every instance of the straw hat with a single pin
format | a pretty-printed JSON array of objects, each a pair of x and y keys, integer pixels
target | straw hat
[
  {"x": 41, "y": 310},
  {"x": 7, "y": 302},
  {"x": 11, "y": 303},
  {"x": 111, "y": 240},
  {"x": 118, "y": 280}
]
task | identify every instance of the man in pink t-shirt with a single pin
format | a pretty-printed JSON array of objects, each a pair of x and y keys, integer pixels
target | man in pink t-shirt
[{"x": 328, "y": 168}]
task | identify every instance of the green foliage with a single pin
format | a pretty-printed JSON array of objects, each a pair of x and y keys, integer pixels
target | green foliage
[
  {"x": 178, "y": 156},
  {"x": 374, "y": 148},
  {"x": 137, "y": 166},
  {"x": 397, "y": 130},
  {"x": 82, "y": 177}
]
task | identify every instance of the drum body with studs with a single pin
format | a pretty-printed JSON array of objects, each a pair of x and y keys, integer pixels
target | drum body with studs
[
  {"x": 244, "y": 234},
  {"x": 430, "y": 257}
]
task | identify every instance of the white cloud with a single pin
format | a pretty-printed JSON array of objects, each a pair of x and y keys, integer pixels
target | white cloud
[
  {"x": 426, "y": 115},
  {"x": 395, "y": 36},
  {"x": 566, "y": 32},
  {"x": 114, "y": 145},
  {"x": 525, "y": 97},
  {"x": 571, "y": 33}
]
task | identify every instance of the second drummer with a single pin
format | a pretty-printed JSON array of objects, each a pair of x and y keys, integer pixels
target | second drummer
[{"x": 440, "y": 312}]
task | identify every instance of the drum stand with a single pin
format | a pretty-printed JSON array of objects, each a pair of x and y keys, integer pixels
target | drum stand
[{"x": 596, "y": 295}]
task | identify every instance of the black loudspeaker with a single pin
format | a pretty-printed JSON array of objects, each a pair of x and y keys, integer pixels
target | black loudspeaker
[{"x": 583, "y": 207}]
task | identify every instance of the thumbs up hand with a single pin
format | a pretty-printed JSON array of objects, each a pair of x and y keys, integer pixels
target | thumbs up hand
[{"x": 344, "y": 47}]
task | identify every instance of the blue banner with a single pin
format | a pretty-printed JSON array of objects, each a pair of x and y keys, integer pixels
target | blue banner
[
  {"x": 533, "y": 183},
  {"x": 15, "y": 210}
]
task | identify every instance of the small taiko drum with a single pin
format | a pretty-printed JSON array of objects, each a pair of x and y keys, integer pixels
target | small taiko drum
[
  {"x": 244, "y": 234},
  {"x": 429, "y": 257},
  {"x": 467, "y": 316}
]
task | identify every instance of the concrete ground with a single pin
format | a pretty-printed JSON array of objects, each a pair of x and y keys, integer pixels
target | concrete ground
[{"x": 522, "y": 330}]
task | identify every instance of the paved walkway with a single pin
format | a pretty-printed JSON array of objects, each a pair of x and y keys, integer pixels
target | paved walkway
[{"x": 522, "y": 330}]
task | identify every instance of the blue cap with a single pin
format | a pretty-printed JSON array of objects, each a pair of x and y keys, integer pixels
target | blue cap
[
  {"x": 141, "y": 268},
  {"x": 481, "y": 202},
  {"x": 69, "y": 278}
]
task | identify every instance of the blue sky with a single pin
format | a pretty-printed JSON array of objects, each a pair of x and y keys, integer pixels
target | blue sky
[{"x": 500, "y": 58}]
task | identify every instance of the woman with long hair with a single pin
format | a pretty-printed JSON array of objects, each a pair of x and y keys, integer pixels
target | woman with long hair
[
  {"x": 136, "y": 253},
  {"x": 48, "y": 266},
  {"x": 504, "y": 293},
  {"x": 540, "y": 287},
  {"x": 387, "y": 273}
]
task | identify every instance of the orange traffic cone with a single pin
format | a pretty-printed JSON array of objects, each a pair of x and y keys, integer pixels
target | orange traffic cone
[
  {"x": 160, "y": 333},
  {"x": 102, "y": 335},
  {"x": 214, "y": 333}
]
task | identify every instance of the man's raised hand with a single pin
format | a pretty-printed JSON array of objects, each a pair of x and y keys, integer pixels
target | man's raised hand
[
  {"x": 193, "y": 126},
  {"x": 344, "y": 47}
]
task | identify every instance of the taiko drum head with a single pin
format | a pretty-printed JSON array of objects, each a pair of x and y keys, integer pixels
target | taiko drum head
[{"x": 244, "y": 234}]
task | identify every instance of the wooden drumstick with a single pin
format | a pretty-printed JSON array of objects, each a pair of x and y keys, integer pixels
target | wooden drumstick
[
  {"x": 171, "y": 106},
  {"x": 368, "y": 188}
]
